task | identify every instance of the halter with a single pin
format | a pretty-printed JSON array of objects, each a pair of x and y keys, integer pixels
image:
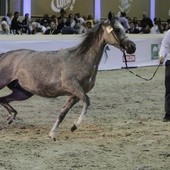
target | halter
[
  {"x": 124, "y": 55},
  {"x": 117, "y": 39}
]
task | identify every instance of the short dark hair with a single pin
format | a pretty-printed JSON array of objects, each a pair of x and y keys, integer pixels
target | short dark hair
[
  {"x": 123, "y": 14},
  {"x": 16, "y": 12},
  {"x": 62, "y": 11}
]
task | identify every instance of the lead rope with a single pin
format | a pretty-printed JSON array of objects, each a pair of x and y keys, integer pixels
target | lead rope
[{"x": 127, "y": 68}]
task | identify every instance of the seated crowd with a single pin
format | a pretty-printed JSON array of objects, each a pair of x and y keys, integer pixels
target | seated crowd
[
  {"x": 76, "y": 24},
  {"x": 145, "y": 25},
  {"x": 71, "y": 24}
]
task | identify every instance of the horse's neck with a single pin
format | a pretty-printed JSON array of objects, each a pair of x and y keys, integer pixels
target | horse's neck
[{"x": 94, "y": 53}]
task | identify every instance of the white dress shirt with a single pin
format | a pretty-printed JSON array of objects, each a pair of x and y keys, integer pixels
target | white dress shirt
[{"x": 165, "y": 46}]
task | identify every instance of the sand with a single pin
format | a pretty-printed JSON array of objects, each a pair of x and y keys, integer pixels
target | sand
[{"x": 123, "y": 129}]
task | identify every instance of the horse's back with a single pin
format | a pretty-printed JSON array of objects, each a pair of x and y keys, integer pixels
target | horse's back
[
  {"x": 14, "y": 55},
  {"x": 24, "y": 55}
]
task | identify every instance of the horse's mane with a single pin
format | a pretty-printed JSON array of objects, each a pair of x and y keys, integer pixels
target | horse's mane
[{"x": 90, "y": 37}]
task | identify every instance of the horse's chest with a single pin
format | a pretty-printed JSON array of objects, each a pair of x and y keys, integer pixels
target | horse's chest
[{"x": 88, "y": 82}]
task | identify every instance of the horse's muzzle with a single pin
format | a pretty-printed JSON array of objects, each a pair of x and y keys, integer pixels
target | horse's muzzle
[{"x": 129, "y": 46}]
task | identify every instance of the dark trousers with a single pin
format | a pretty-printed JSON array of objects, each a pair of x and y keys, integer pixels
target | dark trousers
[{"x": 167, "y": 88}]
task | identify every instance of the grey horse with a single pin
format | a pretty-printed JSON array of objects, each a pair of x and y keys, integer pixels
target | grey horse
[{"x": 71, "y": 72}]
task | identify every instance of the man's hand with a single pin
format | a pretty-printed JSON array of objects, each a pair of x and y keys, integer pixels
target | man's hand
[{"x": 161, "y": 59}]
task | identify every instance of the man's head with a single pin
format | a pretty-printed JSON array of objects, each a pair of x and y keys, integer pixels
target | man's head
[{"x": 16, "y": 14}]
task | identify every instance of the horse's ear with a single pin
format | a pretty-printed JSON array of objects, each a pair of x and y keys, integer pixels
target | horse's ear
[{"x": 110, "y": 16}]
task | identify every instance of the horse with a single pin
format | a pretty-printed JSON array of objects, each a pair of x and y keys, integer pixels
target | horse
[{"x": 67, "y": 72}]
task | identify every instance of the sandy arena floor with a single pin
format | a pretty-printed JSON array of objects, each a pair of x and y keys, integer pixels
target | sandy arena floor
[{"x": 123, "y": 130}]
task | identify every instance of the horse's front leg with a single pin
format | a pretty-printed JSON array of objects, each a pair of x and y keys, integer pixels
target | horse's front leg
[
  {"x": 82, "y": 116},
  {"x": 71, "y": 101}
]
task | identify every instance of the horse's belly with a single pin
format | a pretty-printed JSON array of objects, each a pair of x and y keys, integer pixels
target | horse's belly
[
  {"x": 51, "y": 94},
  {"x": 49, "y": 91}
]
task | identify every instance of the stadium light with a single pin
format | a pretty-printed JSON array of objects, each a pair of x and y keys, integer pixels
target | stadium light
[
  {"x": 97, "y": 10},
  {"x": 152, "y": 9},
  {"x": 27, "y": 7}
]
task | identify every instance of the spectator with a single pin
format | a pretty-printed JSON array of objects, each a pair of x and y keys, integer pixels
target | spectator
[
  {"x": 91, "y": 20},
  {"x": 146, "y": 22},
  {"x": 146, "y": 30},
  {"x": 16, "y": 24},
  {"x": 45, "y": 21},
  {"x": 133, "y": 28},
  {"x": 71, "y": 21},
  {"x": 54, "y": 19},
  {"x": 4, "y": 28},
  {"x": 166, "y": 27},
  {"x": 159, "y": 21},
  {"x": 53, "y": 29},
  {"x": 124, "y": 21},
  {"x": 161, "y": 29},
  {"x": 88, "y": 26},
  {"x": 80, "y": 24},
  {"x": 37, "y": 28},
  {"x": 62, "y": 19},
  {"x": 136, "y": 22},
  {"x": 155, "y": 28},
  {"x": 4, "y": 19},
  {"x": 69, "y": 30},
  {"x": 26, "y": 24},
  {"x": 70, "y": 26},
  {"x": 8, "y": 18}
]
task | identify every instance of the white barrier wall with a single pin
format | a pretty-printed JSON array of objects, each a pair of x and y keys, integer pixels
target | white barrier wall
[{"x": 146, "y": 54}]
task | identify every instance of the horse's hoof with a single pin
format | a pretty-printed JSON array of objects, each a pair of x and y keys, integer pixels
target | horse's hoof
[
  {"x": 10, "y": 119},
  {"x": 73, "y": 128},
  {"x": 52, "y": 136},
  {"x": 54, "y": 139},
  {"x": 9, "y": 122}
]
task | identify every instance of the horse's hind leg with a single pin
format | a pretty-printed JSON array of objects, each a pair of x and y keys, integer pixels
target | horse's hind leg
[
  {"x": 17, "y": 94},
  {"x": 10, "y": 110},
  {"x": 71, "y": 101}
]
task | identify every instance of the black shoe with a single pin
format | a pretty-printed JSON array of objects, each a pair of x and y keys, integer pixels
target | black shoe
[{"x": 166, "y": 118}]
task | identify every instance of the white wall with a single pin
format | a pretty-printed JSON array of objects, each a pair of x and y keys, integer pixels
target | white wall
[{"x": 142, "y": 56}]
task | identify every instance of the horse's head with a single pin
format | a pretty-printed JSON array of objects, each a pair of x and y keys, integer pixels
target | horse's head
[{"x": 115, "y": 35}]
